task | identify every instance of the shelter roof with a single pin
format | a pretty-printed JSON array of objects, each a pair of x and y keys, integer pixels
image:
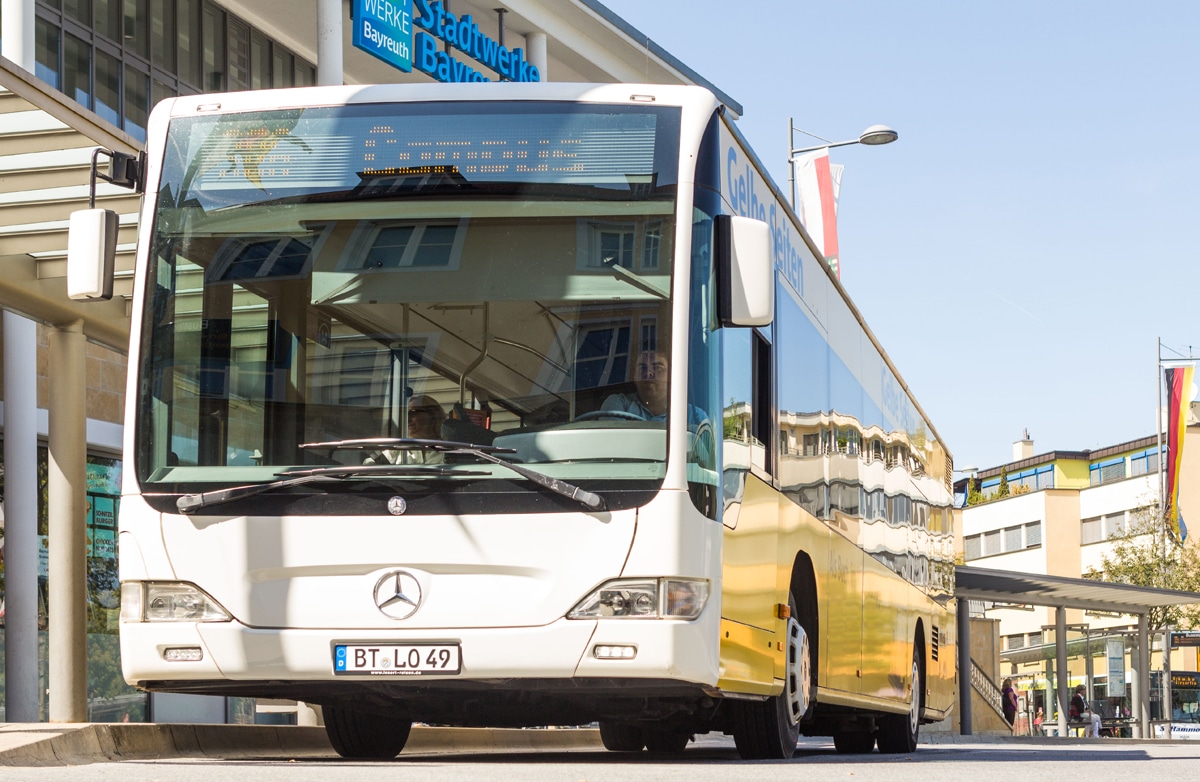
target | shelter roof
[{"x": 1007, "y": 586}]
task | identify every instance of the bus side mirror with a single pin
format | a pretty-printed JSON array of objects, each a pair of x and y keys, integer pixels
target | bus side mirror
[
  {"x": 91, "y": 248},
  {"x": 745, "y": 271}
]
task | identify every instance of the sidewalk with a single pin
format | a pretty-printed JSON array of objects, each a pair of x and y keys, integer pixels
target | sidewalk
[{"x": 52, "y": 744}]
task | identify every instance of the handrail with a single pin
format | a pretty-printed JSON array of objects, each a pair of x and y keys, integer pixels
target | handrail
[{"x": 984, "y": 685}]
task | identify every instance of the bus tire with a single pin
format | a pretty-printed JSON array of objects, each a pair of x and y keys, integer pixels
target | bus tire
[
  {"x": 621, "y": 737},
  {"x": 354, "y": 734},
  {"x": 853, "y": 743},
  {"x": 769, "y": 730},
  {"x": 898, "y": 732}
]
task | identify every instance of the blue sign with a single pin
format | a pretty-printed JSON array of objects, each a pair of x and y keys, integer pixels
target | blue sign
[
  {"x": 462, "y": 33},
  {"x": 383, "y": 28}
]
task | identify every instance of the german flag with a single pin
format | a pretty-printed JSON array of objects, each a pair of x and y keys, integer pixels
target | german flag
[{"x": 1179, "y": 393}]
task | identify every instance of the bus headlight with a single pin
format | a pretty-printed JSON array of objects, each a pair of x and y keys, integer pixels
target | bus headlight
[
  {"x": 640, "y": 598},
  {"x": 157, "y": 601}
]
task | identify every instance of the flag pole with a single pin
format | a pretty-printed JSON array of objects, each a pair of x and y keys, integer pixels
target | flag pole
[{"x": 1158, "y": 428}]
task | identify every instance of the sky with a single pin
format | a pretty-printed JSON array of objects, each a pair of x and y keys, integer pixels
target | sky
[{"x": 1022, "y": 248}]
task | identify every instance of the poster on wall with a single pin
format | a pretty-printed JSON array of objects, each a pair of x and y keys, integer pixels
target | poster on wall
[{"x": 1116, "y": 668}]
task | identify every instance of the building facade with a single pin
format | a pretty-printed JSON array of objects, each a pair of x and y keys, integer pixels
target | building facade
[{"x": 1060, "y": 513}]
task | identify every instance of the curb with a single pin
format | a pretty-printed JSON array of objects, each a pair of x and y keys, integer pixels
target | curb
[{"x": 97, "y": 743}]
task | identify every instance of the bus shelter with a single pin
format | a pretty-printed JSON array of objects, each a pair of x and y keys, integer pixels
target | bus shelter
[{"x": 1061, "y": 593}]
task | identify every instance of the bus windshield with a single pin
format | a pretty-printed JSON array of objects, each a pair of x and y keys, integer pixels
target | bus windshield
[{"x": 478, "y": 273}]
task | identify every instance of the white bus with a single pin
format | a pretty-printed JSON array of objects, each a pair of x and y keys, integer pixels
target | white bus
[{"x": 513, "y": 405}]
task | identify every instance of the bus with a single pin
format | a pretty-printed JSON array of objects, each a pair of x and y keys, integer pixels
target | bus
[{"x": 515, "y": 405}]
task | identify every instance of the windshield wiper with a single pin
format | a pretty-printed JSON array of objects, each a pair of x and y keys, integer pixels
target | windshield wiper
[
  {"x": 190, "y": 503},
  {"x": 487, "y": 453}
]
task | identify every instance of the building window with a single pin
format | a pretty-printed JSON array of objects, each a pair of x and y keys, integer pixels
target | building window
[
  {"x": 1143, "y": 463},
  {"x": 1105, "y": 472},
  {"x": 115, "y": 56},
  {"x": 1034, "y": 479},
  {"x": 1100, "y": 528},
  {"x": 1005, "y": 541},
  {"x": 972, "y": 547}
]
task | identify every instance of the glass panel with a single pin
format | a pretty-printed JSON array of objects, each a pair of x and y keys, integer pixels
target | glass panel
[
  {"x": 214, "y": 49},
  {"x": 79, "y": 10},
  {"x": 77, "y": 66},
  {"x": 283, "y": 71},
  {"x": 260, "y": 62},
  {"x": 137, "y": 102},
  {"x": 239, "y": 55},
  {"x": 108, "y": 19},
  {"x": 46, "y": 37},
  {"x": 160, "y": 92},
  {"x": 972, "y": 547},
  {"x": 162, "y": 34},
  {"x": 1012, "y": 539},
  {"x": 280, "y": 316},
  {"x": 188, "y": 41},
  {"x": 137, "y": 27},
  {"x": 108, "y": 88},
  {"x": 306, "y": 74},
  {"x": 1033, "y": 534}
]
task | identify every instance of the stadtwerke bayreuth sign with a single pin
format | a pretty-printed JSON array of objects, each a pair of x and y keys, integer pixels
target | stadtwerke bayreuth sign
[{"x": 386, "y": 29}]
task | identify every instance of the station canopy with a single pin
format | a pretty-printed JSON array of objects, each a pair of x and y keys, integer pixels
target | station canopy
[{"x": 1007, "y": 586}]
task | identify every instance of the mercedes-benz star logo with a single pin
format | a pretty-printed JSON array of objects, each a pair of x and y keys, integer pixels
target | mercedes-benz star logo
[
  {"x": 396, "y": 506},
  {"x": 398, "y": 594}
]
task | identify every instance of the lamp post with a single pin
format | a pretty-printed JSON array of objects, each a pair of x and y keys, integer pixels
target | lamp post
[
  {"x": 970, "y": 471},
  {"x": 873, "y": 136}
]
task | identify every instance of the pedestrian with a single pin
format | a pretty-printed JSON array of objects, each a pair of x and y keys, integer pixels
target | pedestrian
[{"x": 1008, "y": 702}]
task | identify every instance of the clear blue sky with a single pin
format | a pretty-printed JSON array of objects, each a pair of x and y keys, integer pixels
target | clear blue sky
[{"x": 1033, "y": 233}]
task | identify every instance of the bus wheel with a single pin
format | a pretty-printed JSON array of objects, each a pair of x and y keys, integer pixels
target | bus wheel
[
  {"x": 769, "y": 730},
  {"x": 621, "y": 737},
  {"x": 854, "y": 743},
  {"x": 357, "y": 735},
  {"x": 898, "y": 732}
]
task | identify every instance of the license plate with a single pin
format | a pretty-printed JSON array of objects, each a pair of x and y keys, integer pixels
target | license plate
[{"x": 396, "y": 659}]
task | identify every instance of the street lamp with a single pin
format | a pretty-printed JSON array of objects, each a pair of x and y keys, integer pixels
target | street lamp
[
  {"x": 874, "y": 136},
  {"x": 970, "y": 471}
]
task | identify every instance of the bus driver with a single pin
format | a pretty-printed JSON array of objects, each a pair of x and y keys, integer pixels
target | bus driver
[{"x": 650, "y": 399}]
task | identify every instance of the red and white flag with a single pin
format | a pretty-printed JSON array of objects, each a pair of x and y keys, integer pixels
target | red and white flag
[{"x": 817, "y": 186}]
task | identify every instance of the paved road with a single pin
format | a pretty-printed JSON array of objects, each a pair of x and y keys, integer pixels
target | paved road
[{"x": 711, "y": 759}]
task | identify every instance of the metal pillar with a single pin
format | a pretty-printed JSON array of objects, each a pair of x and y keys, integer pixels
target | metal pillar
[
  {"x": 16, "y": 28},
  {"x": 1168, "y": 713},
  {"x": 67, "y": 477},
  {"x": 21, "y": 688},
  {"x": 964, "y": 666},
  {"x": 1061, "y": 680},
  {"x": 1143, "y": 676},
  {"x": 329, "y": 43}
]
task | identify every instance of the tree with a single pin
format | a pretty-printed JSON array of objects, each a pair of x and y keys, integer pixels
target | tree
[
  {"x": 1143, "y": 555},
  {"x": 1003, "y": 490}
]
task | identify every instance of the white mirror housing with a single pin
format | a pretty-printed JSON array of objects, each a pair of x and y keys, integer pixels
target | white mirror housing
[
  {"x": 91, "y": 249},
  {"x": 746, "y": 269}
]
